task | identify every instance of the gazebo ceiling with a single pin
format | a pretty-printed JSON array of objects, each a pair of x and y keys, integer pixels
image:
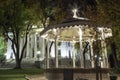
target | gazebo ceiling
[{"x": 69, "y": 30}]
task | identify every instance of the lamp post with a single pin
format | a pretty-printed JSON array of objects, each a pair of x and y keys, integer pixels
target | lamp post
[
  {"x": 96, "y": 66},
  {"x": 38, "y": 55},
  {"x": 98, "y": 60},
  {"x": 37, "y": 62}
]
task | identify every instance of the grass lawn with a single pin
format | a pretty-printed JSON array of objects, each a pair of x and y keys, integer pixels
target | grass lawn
[
  {"x": 18, "y": 74},
  {"x": 12, "y": 78}
]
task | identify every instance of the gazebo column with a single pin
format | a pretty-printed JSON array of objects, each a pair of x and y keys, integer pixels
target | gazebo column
[
  {"x": 35, "y": 45},
  {"x": 21, "y": 45},
  {"x": 81, "y": 47},
  {"x": 56, "y": 52},
  {"x": 73, "y": 54},
  {"x": 42, "y": 46},
  {"x": 104, "y": 50},
  {"x": 92, "y": 55},
  {"x": 48, "y": 54},
  {"x": 28, "y": 46}
]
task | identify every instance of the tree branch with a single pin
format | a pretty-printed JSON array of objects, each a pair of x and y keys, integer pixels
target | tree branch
[
  {"x": 23, "y": 49},
  {"x": 26, "y": 36}
]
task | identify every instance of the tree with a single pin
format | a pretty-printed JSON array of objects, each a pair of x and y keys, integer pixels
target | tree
[
  {"x": 107, "y": 13},
  {"x": 2, "y": 48},
  {"x": 16, "y": 19},
  {"x": 18, "y": 16},
  {"x": 112, "y": 11}
]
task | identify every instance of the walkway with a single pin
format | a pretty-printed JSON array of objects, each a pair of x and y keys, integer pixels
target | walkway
[{"x": 35, "y": 77}]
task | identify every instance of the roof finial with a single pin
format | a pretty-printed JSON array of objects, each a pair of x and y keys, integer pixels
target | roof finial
[
  {"x": 75, "y": 10},
  {"x": 75, "y": 13}
]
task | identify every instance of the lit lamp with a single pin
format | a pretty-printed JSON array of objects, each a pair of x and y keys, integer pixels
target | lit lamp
[
  {"x": 38, "y": 55},
  {"x": 100, "y": 60}
]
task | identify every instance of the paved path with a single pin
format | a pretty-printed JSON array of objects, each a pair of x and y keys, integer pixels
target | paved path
[{"x": 35, "y": 77}]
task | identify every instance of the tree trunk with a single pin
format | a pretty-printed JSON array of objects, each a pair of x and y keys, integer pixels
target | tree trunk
[
  {"x": 113, "y": 48},
  {"x": 18, "y": 64}
]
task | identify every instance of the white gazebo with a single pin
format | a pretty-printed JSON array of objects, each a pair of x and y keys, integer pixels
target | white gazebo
[{"x": 78, "y": 30}]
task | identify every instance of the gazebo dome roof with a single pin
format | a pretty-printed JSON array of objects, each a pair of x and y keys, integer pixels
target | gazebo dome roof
[
  {"x": 69, "y": 29},
  {"x": 70, "y": 22}
]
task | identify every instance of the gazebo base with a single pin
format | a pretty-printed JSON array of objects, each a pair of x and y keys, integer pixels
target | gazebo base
[{"x": 77, "y": 74}]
